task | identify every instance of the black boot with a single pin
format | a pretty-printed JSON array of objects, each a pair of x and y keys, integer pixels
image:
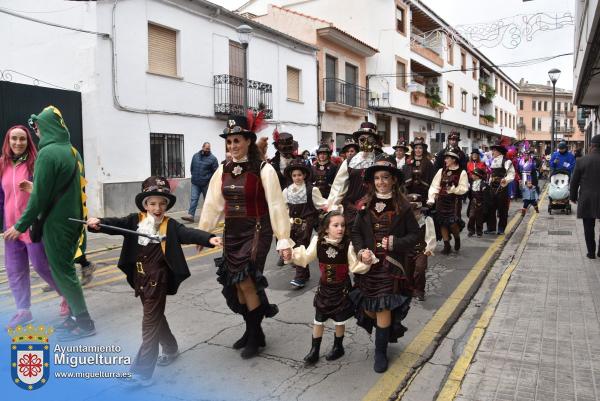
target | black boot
[
  {"x": 255, "y": 333},
  {"x": 338, "y": 349},
  {"x": 313, "y": 355},
  {"x": 447, "y": 248},
  {"x": 241, "y": 343},
  {"x": 457, "y": 243},
  {"x": 382, "y": 336}
]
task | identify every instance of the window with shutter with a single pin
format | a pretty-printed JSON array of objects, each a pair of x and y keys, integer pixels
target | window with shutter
[
  {"x": 293, "y": 84},
  {"x": 162, "y": 50}
]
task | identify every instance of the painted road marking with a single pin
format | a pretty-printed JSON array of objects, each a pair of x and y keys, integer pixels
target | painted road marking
[
  {"x": 453, "y": 382},
  {"x": 403, "y": 368}
]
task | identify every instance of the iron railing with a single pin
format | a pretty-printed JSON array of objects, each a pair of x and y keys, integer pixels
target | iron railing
[
  {"x": 230, "y": 91},
  {"x": 343, "y": 92},
  {"x": 166, "y": 155}
]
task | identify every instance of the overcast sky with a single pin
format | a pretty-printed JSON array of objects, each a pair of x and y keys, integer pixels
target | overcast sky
[{"x": 542, "y": 44}]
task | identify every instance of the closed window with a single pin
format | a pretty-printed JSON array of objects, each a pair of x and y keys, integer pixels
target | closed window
[
  {"x": 450, "y": 55},
  {"x": 293, "y": 84},
  {"x": 533, "y": 124},
  {"x": 533, "y": 105},
  {"x": 400, "y": 74},
  {"x": 475, "y": 101},
  {"x": 401, "y": 20},
  {"x": 162, "y": 50},
  {"x": 166, "y": 155},
  {"x": 450, "y": 95},
  {"x": 539, "y": 124},
  {"x": 463, "y": 100},
  {"x": 520, "y": 105},
  {"x": 474, "y": 69},
  {"x": 463, "y": 61}
]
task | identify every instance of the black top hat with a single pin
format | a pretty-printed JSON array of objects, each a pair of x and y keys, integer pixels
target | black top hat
[
  {"x": 419, "y": 141},
  {"x": 454, "y": 135},
  {"x": 475, "y": 150},
  {"x": 401, "y": 143},
  {"x": 500, "y": 148},
  {"x": 387, "y": 163},
  {"x": 155, "y": 186},
  {"x": 298, "y": 164},
  {"x": 479, "y": 173},
  {"x": 366, "y": 127},
  {"x": 350, "y": 143},
  {"x": 238, "y": 125},
  {"x": 452, "y": 153},
  {"x": 323, "y": 148}
]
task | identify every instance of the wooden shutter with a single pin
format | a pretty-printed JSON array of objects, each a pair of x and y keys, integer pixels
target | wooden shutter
[
  {"x": 293, "y": 84},
  {"x": 162, "y": 50}
]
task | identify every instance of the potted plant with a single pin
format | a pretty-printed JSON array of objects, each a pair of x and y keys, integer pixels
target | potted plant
[{"x": 433, "y": 96}]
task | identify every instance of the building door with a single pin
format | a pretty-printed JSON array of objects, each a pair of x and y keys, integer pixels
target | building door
[
  {"x": 237, "y": 72},
  {"x": 351, "y": 83},
  {"x": 330, "y": 76}
]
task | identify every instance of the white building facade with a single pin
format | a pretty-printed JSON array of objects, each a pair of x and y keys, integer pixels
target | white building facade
[
  {"x": 158, "y": 79},
  {"x": 421, "y": 65}
]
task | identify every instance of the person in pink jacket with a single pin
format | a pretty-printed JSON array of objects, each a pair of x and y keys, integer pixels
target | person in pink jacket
[{"x": 16, "y": 167}]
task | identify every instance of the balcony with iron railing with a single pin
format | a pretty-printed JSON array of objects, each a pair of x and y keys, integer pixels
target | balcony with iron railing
[
  {"x": 566, "y": 131},
  {"x": 344, "y": 97},
  {"x": 230, "y": 92},
  {"x": 427, "y": 45}
]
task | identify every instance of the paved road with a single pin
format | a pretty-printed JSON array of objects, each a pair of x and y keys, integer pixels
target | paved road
[{"x": 209, "y": 368}]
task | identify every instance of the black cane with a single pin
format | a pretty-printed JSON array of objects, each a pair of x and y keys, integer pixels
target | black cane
[{"x": 154, "y": 238}]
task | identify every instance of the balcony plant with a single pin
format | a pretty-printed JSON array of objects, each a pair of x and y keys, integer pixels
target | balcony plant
[
  {"x": 488, "y": 117},
  {"x": 433, "y": 96}
]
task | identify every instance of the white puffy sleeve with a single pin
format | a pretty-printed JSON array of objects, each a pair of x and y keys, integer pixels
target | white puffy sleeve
[
  {"x": 278, "y": 211},
  {"x": 463, "y": 184},
  {"x": 339, "y": 186},
  {"x": 318, "y": 199},
  {"x": 214, "y": 204},
  {"x": 302, "y": 256},
  {"x": 434, "y": 188},
  {"x": 510, "y": 171},
  {"x": 430, "y": 239}
]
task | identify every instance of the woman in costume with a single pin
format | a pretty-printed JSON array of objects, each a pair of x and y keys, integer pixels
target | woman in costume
[{"x": 246, "y": 190}]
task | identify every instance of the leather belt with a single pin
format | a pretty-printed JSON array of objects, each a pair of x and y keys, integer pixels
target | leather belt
[{"x": 296, "y": 220}]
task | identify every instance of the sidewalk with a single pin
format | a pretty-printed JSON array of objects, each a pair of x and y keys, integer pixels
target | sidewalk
[{"x": 542, "y": 342}]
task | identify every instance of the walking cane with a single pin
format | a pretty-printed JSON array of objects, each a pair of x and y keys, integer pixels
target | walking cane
[{"x": 153, "y": 238}]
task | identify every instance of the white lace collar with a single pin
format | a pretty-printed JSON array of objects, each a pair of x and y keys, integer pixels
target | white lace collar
[
  {"x": 242, "y": 160},
  {"x": 383, "y": 196}
]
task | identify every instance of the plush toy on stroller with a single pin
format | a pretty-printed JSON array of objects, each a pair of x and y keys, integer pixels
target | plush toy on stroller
[{"x": 558, "y": 193}]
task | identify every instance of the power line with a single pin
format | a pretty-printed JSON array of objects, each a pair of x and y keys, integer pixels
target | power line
[{"x": 39, "y": 21}]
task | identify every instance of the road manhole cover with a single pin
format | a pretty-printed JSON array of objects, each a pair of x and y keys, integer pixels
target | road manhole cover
[{"x": 559, "y": 232}]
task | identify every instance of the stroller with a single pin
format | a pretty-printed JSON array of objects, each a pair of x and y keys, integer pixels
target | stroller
[{"x": 558, "y": 193}]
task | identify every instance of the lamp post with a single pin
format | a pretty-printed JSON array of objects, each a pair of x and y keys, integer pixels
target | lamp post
[
  {"x": 553, "y": 74},
  {"x": 440, "y": 109},
  {"x": 244, "y": 34}
]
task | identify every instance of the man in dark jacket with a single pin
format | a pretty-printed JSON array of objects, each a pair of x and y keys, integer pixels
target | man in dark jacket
[
  {"x": 204, "y": 164},
  {"x": 584, "y": 191}
]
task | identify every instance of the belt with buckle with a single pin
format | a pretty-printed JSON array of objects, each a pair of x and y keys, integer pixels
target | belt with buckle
[
  {"x": 296, "y": 220},
  {"x": 140, "y": 268}
]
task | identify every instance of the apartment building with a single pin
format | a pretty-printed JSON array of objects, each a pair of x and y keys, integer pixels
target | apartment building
[
  {"x": 535, "y": 117},
  {"x": 425, "y": 80}
]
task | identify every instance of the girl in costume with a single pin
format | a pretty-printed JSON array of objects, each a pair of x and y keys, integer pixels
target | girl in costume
[
  {"x": 154, "y": 269},
  {"x": 336, "y": 258},
  {"x": 447, "y": 188},
  {"x": 246, "y": 190},
  {"x": 425, "y": 246},
  {"x": 384, "y": 232},
  {"x": 16, "y": 166},
  {"x": 303, "y": 201}
]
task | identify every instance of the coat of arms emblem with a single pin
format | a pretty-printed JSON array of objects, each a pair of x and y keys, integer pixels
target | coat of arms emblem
[{"x": 30, "y": 355}]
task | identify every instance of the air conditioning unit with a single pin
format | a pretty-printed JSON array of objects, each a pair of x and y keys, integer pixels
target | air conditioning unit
[
  {"x": 322, "y": 106},
  {"x": 385, "y": 96}
]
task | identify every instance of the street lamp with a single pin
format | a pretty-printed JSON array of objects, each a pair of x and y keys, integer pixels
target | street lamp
[
  {"x": 553, "y": 74},
  {"x": 244, "y": 35},
  {"x": 440, "y": 109}
]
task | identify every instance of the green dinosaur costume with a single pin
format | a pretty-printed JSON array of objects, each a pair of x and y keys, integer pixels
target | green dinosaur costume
[{"x": 62, "y": 238}]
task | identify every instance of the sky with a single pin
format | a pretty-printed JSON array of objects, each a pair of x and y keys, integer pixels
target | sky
[{"x": 541, "y": 44}]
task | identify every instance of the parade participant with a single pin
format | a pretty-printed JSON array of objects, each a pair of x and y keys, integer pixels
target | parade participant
[
  {"x": 562, "y": 159},
  {"x": 323, "y": 171},
  {"x": 425, "y": 246},
  {"x": 513, "y": 186},
  {"x": 447, "y": 188},
  {"x": 306, "y": 158},
  {"x": 348, "y": 187},
  {"x": 154, "y": 269},
  {"x": 246, "y": 191},
  {"x": 453, "y": 139},
  {"x": 350, "y": 149},
  {"x": 530, "y": 197},
  {"x": 584, "y": 191},
  {"x": 303, "y": 201},
  {"x": 474, "y": 163},
  {"x": 336, "y": 256},
  {"x": 400, "y": 150},
  {"x": 384, "y": 232},
  {"x": 478, "y": 194},
  {"x": 57, "y": 194},
  {"x": 284, "y": 143},
  {"x": 503, "y": 173},
  {"x": 528, "y": 169},
  {"x": 418, "y": 170},
  {"x": 16, "y": 166}
]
